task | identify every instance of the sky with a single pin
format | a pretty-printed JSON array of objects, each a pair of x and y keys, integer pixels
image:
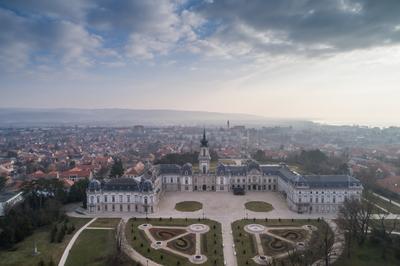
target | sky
[{"x": 336, "y": 61}]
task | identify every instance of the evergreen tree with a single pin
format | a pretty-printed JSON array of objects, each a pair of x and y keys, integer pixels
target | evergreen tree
[
  {"x": 117, "y": 169},
  {"x": 53, "y": 233}
]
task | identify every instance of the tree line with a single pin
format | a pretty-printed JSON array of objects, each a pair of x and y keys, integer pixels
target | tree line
[
  {"x": 310, "y": 161},
  {"x": 42, "y": 205}
]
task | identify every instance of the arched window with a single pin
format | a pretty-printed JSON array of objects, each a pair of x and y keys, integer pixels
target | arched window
[{"x": 204, "y": 169}]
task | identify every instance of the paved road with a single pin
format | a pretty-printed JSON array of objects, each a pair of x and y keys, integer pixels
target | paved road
[{"x": 72, "y": 241}]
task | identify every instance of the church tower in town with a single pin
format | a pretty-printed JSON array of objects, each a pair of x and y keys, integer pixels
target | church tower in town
[{"x": 204, "y": 155}]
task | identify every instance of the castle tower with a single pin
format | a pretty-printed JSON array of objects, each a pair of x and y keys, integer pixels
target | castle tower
[{"x": 204, "y": 155}]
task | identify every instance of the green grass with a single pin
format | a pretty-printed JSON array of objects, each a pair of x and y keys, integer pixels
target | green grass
[
  {"x": 244, "y": 242},
  {"x": 258, "y": 206},
  {"x": 22, "y": 255},
  {"x": 92, "y": 248},
  {"x": 367, "y": 255},
  {"x": 211, "y": 245},
  {"x": 375, "y": 209},
  {"x": 188, "y": 206},
  {"x": 106, "y": 222},
  {"x": 382, "y": 203}
]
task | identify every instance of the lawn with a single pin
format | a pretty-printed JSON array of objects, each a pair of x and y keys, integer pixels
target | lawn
[
  {"x": 246, "y": 249},
  {"x": 22, "y": 255},
  {"x": 258, "y": 206},
  {"x": 211, "y": 241},
  {"x": 106, "y": 222},
  {"x": 92, "y": 248},
  {"x": 382, "y": 203},
  {"x": 375, "y": 209},
  {"x": 188, "y": 206}
]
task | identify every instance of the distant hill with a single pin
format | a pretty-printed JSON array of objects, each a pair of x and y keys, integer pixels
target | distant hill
[{"x": 19, "y": 117}]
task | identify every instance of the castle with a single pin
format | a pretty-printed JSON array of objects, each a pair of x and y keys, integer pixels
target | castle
[{"x": 303, "y": 193}]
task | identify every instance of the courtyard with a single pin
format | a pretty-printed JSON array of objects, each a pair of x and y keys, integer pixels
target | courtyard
[{"x": 226, "y": 206}]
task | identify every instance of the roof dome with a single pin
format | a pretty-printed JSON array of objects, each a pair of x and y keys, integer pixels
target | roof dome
[
  {"x": 147, "y": 186},
  {"x": 94, "y": 184}
]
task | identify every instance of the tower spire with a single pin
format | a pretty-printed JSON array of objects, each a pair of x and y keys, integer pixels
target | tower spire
[{"x": 204, "y": 141}]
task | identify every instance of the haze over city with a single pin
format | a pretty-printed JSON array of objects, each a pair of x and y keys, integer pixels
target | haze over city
[
  {"x": 199, "y": 132},
  {"x": 332, "y": 61}
]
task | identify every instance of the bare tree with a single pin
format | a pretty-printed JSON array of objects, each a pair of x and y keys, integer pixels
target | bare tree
[
  {"x": 354, "y": 217},
  {"x": 382, "y": 229}
]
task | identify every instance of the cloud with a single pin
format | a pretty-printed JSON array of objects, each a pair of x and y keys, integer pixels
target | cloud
[
  {"x": 310, "y": 27},
  {"x": 26, "y": 41},
  {"x": 153, "y": 27},
  {"x": 84, "y": 33}
]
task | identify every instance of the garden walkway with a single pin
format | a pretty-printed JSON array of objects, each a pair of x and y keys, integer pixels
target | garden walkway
[{"x": 72, "y": 241}]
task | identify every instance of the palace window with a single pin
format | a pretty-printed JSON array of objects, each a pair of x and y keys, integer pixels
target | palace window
[
  {"x": 120, "y": 198},
  {"x": 128, "y": 198},
  {"x": 105, "y": 198},
  {"x": 112, "y": 198}
]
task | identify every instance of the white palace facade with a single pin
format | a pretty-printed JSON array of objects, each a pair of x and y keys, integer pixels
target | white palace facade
[{"x": 303, "y": 193}]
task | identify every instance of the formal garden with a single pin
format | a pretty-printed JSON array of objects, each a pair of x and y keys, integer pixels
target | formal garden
[
  {"x": 283, "y": 242},
  {"x": 258, "y": 206},
  {"x": 188, "y": 206},
  {"x": 171, "y": 241}
]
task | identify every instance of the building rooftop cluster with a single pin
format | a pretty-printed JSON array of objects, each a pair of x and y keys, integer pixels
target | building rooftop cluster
[{"x": 71, "y": 153}]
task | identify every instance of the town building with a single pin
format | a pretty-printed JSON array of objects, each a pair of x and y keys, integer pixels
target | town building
[
  {"x": 303, "y": 193},
  {"x": 139, "y": 194}
]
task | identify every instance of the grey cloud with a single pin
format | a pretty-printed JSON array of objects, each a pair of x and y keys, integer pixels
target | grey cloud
[
  {"x": 78, "y": 30},
  {"x": 308, "y": 26}
]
